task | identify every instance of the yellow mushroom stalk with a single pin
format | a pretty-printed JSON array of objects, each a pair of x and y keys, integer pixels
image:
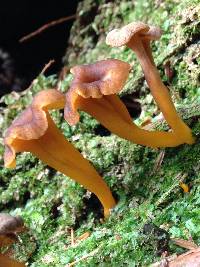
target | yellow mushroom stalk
[
  {"x": 94, "y": 89},
  {"x": 34, "y": 131},
  {"x": 137, "y": 36},
  {"x": 6, "y": 261}
]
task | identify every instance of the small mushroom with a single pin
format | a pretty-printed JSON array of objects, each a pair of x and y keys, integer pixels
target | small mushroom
[
  {"x": 10, "y": 224},
  {"x": 94, "y": 80},
  {"x": 154, "y": 33},
  {"x": 137, "y": 36},
  {"x": 94, "y": 89},
  {"x": 34, "y": 131}
]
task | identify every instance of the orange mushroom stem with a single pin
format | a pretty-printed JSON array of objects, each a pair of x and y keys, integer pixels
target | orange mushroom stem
[
  {"x": 6, "y": 261},
  {"x": 34, "y": 131},
  {"x": 137, "y": 36},
  {"x": 94, "y": 89}
]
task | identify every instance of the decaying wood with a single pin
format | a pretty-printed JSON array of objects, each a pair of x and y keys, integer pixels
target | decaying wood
[
  {"x": 158, "y": 161},
  {"x": 47, "y": 66},
  {"x": 188, "y": 259},
  {"x": 91, "y": 254},
  {"x": 44, "y": 69},
  {"x": 184, "y": 243}
]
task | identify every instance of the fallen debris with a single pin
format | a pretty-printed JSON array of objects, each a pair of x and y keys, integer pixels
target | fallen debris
[
  {"x": 45, "y": 27},
  {"x": 188, "y": 259}
]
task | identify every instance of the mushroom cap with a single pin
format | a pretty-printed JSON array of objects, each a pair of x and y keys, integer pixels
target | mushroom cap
[
  {"x": 104, "y": 77},
  {"x": 120, "y": 37},
  {"x": 9, "y": 224},
  {"x": 32, "y": 122},
  {"x": 154, "y": 33}
]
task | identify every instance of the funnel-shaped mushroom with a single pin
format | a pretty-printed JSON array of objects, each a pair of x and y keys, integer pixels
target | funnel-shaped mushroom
[
  {"x": 137, "y": 36},
  {"x": 35, "y": 131},
  {"x": 94, "y": 89},
  {"x": 94, "y": 80}
]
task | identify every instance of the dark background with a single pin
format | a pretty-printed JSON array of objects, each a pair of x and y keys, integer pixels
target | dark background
[{"x": 25, "y": 60}]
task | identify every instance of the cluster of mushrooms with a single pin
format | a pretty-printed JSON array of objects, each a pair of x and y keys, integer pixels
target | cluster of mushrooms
[{"x": 94, "y": 90}]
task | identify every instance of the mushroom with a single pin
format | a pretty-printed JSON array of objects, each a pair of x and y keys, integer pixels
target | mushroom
[
  {"x": 34, "y": 131},
  {"x": 94, "y": 80},
  {"x": 137, "y": 36},
  {"x": 10, "y": 224},
  {"x": 94, "y": 89},
  {"x": 6, "y": 261}
]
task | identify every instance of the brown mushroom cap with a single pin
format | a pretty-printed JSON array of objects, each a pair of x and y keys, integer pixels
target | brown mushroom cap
[
  {"x": 123, "y": 36},
  {"x": 154, "y": 33},
  {"x": 9, "y": 224},
  {"x": 104, "y": 77},
  {"x": 32, "y": 123},
  {"x": 120, "y": 37}
]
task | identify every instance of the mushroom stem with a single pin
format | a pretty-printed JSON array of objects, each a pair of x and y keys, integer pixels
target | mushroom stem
[
  {"x": 9, "y": 262},
  {"x": 111, "y": 112},
  {"x": 160, "y": 92},
  {"x": 147, "y": 48},
  {"x": 54, "y": 150}
]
